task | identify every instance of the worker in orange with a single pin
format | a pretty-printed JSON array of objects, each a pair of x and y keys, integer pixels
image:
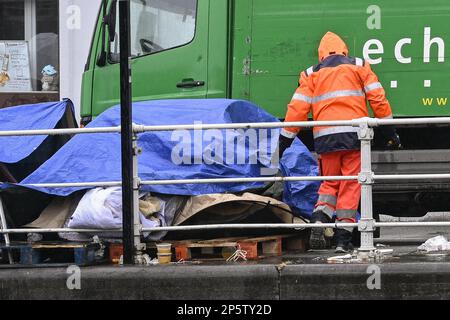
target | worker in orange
[{"x": 337, "y": 88}]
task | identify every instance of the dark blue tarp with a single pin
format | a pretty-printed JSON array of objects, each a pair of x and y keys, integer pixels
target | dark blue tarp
[
  {"x": 28, "y": 117},
  {"x": 297, "y": 162},
  {"x": 206, "y": 154}
]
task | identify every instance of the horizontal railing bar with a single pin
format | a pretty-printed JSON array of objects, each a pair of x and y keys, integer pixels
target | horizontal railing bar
[
  {"x": 411, "y": 176},
  {"x": 56, "y": 132},
  {"x": 410, "y": 121},
  {"x": 56, "y": 230},
  {"x": 372, "y": 122},
  {"x": 413, "y": 224},
  {"x": 186, "y": 228},
  {"x": 237, "y": 180},
  {"x": 253, "y": 226},
  {"x": 255, "y": 125},
  {"x": 189, "y": 181},
  {"x": 75, "y": 184},
  {"x": 234, "y": 226}
]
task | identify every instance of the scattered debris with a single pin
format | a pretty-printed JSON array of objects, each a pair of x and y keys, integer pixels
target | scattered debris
[
  {"x": 239, "y": 254},
  {"x": 381, "y": 254},
  {"x": 100, "y": 253},
  {"x": 282, "y": 265},
  {"x": 439, "y": 243},
  {"x": 144, "y": 260},
  {"x": 340, "y": 259},
  {"x": 384, "y": 251},
  {"x": 34, "y": 237},
  {"x": 356, "y": 257},
  {"x": 317, "y": 259}
]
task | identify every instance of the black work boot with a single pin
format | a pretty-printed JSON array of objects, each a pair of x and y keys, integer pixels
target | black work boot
[
  {"x": 317, "y": 239},
  {"x": 343, "y": 241}
]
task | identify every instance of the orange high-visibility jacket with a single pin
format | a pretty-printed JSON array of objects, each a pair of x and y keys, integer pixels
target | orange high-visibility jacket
[{"x": 336, "y": 89}]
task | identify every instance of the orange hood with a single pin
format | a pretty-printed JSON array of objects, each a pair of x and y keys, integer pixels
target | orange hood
[{"x": 330, "y": 44}]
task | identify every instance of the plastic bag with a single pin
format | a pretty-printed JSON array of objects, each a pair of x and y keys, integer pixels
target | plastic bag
[
  {"x": 438, "y": 243},
  {"x": 99, "y": 208},
  {"x": 102, "y": 209}
]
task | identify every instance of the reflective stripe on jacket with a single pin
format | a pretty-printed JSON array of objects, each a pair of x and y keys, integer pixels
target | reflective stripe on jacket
[{"x": 338, "y": 88}]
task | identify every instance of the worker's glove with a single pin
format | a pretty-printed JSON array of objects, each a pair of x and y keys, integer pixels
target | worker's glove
[
  {"x": 394, "y": 143},
  {"x": 283, "y": 144}
]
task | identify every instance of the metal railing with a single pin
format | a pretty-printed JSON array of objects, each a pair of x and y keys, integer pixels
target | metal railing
[{"x": 366, "y": 178}]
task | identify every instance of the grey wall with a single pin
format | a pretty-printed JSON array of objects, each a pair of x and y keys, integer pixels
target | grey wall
[{"x": 77, "y": 21}]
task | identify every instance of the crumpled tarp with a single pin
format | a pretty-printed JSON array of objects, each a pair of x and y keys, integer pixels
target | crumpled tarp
[
  {"x": 96, "y": 157},
  {"x": 297, "y": 163},
  {"x": 22, "y": 155},
  {"x": 28, "y": 117}
]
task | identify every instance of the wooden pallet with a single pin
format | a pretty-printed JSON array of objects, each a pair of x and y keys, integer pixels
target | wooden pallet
[
  {"x": 36, "y": 254},
  {"x": 255, "y": 247}
]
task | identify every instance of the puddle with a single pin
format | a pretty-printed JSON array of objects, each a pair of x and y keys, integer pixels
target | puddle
[
  {"x": 426, "y": 257},
  {"x": 386, "y": 255}
]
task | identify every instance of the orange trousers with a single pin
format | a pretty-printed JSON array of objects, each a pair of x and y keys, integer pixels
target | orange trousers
[{"x": 341, "y": 197}]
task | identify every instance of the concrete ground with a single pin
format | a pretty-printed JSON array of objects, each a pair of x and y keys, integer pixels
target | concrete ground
[{"x": 404, "y": 275}]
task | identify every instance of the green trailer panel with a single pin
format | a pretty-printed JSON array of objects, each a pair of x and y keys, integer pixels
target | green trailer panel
[{"x": 285, "y": 34}]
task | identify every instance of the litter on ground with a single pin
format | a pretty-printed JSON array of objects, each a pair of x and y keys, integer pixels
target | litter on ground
[{"x": 438, "y": 243}]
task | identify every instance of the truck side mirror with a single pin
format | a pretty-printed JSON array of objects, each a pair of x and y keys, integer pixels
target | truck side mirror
[
  {"x": 108, "y": 24},
  {"x": 110, "y": 20}
]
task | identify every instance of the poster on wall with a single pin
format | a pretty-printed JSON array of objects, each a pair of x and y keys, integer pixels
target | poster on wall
[{"x": 14, "y": 67}]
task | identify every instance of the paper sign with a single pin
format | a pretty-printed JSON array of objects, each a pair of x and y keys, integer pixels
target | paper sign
[{"x": 14, "y": 67}]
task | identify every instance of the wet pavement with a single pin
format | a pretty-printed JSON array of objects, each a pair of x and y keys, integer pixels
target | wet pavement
[{"x": 404, "y": 274}]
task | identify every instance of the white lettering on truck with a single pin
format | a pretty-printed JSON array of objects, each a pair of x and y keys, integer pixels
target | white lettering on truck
[
  {"x": 398, "y": 50},
  {"x": 374, "y": 20},
  {"x": 368, "y": 51},
  {"x": 73, "y": 21},
  {"x": 427, "y": 46},
  {"x": 374, "y": 47}
]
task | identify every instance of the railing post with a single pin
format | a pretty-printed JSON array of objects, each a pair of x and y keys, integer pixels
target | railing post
[
  {"x": 4, "y": 226},
  {"x": 137, "y": 226},
  {"x": 366, "y": 179}
]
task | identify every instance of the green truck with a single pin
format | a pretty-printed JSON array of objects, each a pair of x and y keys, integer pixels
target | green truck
[{"x": 255, "y": 49}]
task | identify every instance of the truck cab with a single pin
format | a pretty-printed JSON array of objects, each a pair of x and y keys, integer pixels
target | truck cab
[{"x": 255, "y": 50}]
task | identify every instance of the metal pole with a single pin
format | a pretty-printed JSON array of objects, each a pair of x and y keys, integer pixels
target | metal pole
[
  {"x": 259, "y": 125},
  {"x": 238, "y": 180},
  {"x": 127, "y": 132},
  {"x": 58, "y": 132},
  {"x": 297, "y": 226},
  {"x": 4, "y": 226},
  {"x": 412, "y": 176},
  {"x": 188, "y": 181},
  {"x": 252, "y": 226},
  {"x": 242, "y": 180},
  {"x": 75, "y": 185},
  {"x": 137, "y": 227},
  {"x": 57, "y": 230},
  {"x": 366, "y": 224},
  {"x": 412, "y": 224}
]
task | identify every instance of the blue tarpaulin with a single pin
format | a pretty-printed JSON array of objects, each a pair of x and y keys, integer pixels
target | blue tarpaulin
[
  {"x": 28, "y": 117},
  {"x": 297, "y": 162},
  {"x": 182, "y": 154}
]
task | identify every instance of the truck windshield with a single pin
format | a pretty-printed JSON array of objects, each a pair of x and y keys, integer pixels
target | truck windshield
[{"x": 158, "y": 25}]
